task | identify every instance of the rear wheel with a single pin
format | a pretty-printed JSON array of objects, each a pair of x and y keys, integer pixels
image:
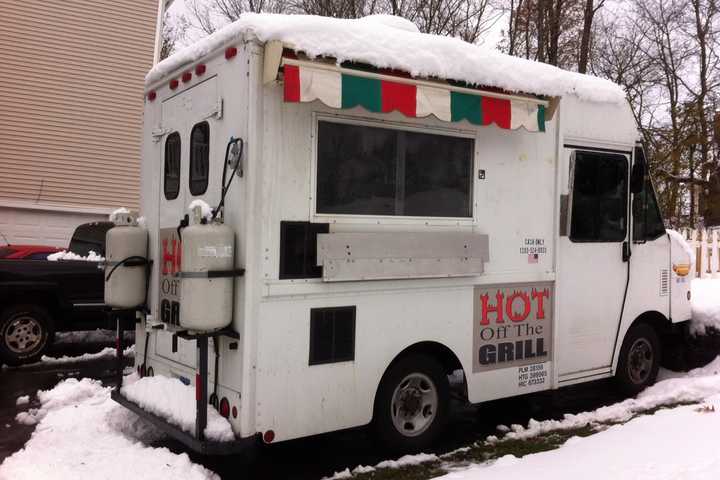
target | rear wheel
[
  {"x": 25, "y": 334},
  {"x": 639, "y": 359},
  {"x": 411, "y": 407}
]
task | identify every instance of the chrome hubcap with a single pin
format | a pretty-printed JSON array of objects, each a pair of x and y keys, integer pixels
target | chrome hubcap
[
  {"x": 640, "y": 361},
  {"x": 23, "y": 334},
  {"x": 414, "y": 404}
]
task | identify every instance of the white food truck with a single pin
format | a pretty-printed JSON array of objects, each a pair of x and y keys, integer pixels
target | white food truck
[{"x": 388, "y": 208}]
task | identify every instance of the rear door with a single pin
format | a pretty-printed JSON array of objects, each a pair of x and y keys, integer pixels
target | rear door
[
  {"x": 189, "y": 122},
  {"x": 592, "y": 271}
]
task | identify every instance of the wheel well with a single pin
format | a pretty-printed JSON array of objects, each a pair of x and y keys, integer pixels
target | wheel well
[
  {"x": 436, "y": 350},
  {"x": 41, "y": 299},
  {"x": 656, "y": 320}
]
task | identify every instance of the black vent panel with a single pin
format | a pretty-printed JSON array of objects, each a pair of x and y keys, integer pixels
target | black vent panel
[{"x": 332, "y": 335}]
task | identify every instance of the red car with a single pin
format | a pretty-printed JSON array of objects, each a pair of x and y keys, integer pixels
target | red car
[{"x": 26, "y": 252}]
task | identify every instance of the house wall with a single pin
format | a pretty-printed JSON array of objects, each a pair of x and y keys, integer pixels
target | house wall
[{"x": 71, "y": 90}]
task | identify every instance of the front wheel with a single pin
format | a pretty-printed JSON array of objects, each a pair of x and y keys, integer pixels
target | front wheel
[
  {"x": 25, "y": 334},
  {"x": 639, "y": 359},
  {"x": 411, "y": 407}
]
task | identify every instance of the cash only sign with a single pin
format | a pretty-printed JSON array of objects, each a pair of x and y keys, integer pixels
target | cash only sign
[{"x": 513, "y": 328}]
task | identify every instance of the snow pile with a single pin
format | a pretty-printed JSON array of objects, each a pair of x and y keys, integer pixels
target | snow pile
[
  {"x": 694, "y": 386},
  {"x": 82, "y": 433},
  {"x": 173, "y": 400},
  {"x": 404, "y": 461},
  {"x": 705, "y": 295},
  {"x": 120, "y": 211},
  {"x": 678, "y": 443},
  {"x": 107, "y": 352},
  {"x": 22, "y": 400},
  {"x": 205, "y": 209},
  {"x": 394, "y": 45},
  {"x": 66, "y": 255}
]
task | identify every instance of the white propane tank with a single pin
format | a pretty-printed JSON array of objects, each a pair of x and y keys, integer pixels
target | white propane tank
[
  {"x": 127, "y": 283},
  {"x": 207, "y": 300}
]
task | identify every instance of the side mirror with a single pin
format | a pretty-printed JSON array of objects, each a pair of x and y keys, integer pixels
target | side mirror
[{"x": 637, "y": 176}]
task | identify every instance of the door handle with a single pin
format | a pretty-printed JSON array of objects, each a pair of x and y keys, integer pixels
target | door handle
[{"x": 626, "y": 253}]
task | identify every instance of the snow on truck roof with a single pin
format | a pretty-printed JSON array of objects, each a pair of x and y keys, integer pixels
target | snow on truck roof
[{"x": 388, "y": 42}]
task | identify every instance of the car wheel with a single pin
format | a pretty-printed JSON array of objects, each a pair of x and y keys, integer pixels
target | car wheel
[
  {"x": 411, "y": 406},
  {"x": 639, "y": 359},
  {"x": 25, "y": 334}
]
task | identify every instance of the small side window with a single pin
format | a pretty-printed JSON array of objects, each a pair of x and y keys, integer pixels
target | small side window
[
  {"x": 171, "y": 182},
  {"x": 199, "y": 158},
  {"x": 647, "y": 221}
]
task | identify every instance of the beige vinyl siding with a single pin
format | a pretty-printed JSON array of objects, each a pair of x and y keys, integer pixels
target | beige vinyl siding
[{"x": 71, "y": 99}]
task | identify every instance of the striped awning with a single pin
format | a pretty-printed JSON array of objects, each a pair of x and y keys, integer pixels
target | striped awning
[{"x": 338, "y": 87}]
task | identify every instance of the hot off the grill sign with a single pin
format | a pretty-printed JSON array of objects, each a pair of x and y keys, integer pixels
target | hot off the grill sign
[{"x": 512, "y": 326}]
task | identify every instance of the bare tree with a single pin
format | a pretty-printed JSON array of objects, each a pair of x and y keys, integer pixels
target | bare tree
[{"x": 588, "y": 16}]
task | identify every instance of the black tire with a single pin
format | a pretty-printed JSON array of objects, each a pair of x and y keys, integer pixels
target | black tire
[
  {"x": 427, "y": 374},
  {"x": 26, "y": 331},
  {"x": 639, "y": 359}
]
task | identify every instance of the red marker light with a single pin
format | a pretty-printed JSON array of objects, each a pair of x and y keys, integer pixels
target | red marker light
[
  {"x": 200, "y": 69},
  {"x": 174, "y": 84},
  {"x": 269, "y": 436},
  {"x": 225, "y": 407},
  {"x": 230, "y": 52},
  {"x": 186, "y": 77},
  {"x": 151, "y": 95},
  {"x": 234, "y": 412}
]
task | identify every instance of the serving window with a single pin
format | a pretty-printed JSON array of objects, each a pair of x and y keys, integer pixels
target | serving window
[{"x": 367, "y": 170}]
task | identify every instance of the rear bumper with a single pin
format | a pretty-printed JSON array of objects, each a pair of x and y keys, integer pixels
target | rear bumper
[{"x": 205, "y": 447}]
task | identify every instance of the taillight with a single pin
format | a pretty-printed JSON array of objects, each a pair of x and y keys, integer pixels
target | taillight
[
  {"x": 174, "y": 84},
  {"x": 230, "y": 52},
  {"x": 200, "y": 69},
  {"x": 186, "y": 77},
  {"x": 151, "y": 95},
  {"x": 225, "y": 407},
  {"x": 234, "y": 412}
]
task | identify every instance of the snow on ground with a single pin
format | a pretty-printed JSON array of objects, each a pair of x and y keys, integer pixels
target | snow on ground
[
  {"x": 386, "y": 44},
  {"x": 65, "y": 255},
  {"x": 173, "y": 400},
  {"x": 705, "y": 297},
  {"x": 673, "y": 443},
  {"x": 678, "y": 443},
  {"x": 82, "y": 433},
  {"x": 107, "y": 352}
]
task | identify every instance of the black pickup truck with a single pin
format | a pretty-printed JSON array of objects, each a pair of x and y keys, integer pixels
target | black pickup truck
[{"x": 41, "y": 297}]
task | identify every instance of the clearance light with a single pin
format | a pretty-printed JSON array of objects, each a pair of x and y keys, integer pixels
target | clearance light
[
  {"x": 174, "y": 84},
  {"x": 269, "y": 436},
  {"x": 200, "y": 69},
  {"x": 224, "y": 407},
  {"x": 186, "y": 77},
  {"x": 151, "y": 95},
  {"x": 230, "y": 52}
]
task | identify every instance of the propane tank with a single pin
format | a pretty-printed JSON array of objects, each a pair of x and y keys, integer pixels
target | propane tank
[
  {"x": 125, "y": 262},
  {"x": 207, "y": 281}
]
